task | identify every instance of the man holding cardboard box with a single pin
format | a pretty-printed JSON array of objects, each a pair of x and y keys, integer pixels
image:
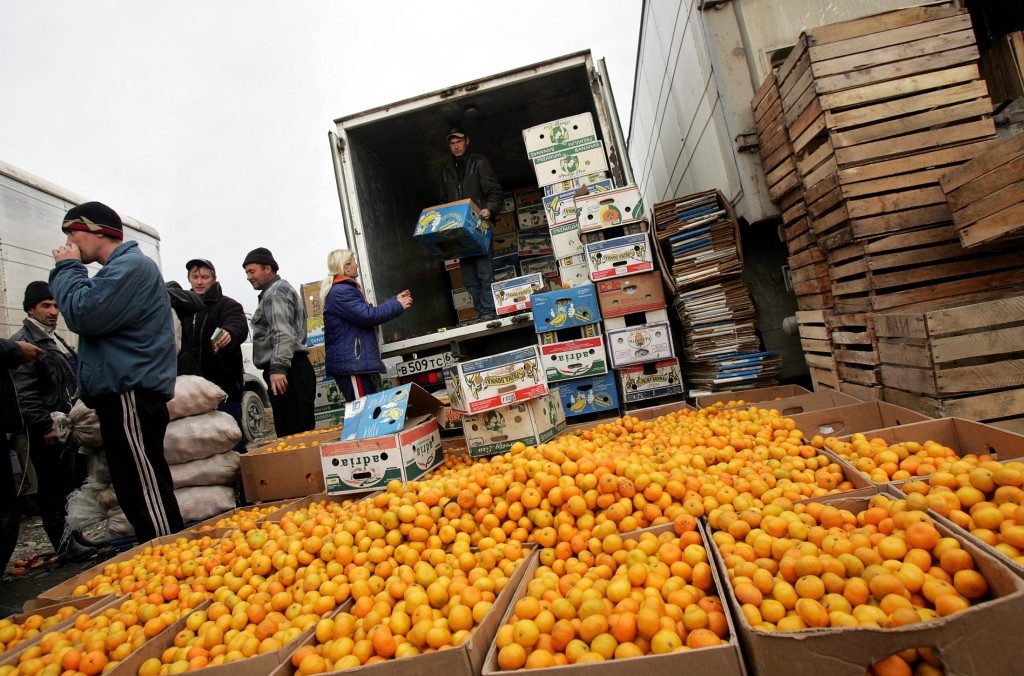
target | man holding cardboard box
[{"x": 469, "y": 176}]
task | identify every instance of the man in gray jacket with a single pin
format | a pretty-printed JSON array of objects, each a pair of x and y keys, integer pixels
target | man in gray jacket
[
  {"x": 45, "y": 386},
  {"x": 279, "y": 345}
]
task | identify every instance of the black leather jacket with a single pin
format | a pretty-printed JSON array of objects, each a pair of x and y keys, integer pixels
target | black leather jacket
[
  {"x": 478, "y": 184},
  {"x": 47, "y": 384}
]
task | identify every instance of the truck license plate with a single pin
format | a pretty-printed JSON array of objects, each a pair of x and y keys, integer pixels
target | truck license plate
[{"x": 424, "y": 364}]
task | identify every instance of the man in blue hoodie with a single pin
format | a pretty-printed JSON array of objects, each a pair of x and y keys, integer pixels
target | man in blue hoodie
[{"x": 126, "y": 358}]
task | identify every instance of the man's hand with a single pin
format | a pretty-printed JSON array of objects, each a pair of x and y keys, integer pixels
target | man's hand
[
  {"x": 486, "y": 213},
  {"x": 223, "y": 341},
  {"x": 67, "y": 252},
  {"x": 278, "y": 383},
  {"x": 29, "y": 352},
  {"x": 51, "y": 438}
]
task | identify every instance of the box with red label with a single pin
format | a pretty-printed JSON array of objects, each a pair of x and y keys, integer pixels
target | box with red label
[
  {"x": 636, "y": 293},
  {"x": 620, "y": 256},
  {"x": 513, "y": 295},
  {"x": 650, "y": 381},
  {"x": 535, "y": 243},
  {"x": 497, "y": 380},
  {"x": 610, "y": 208}
]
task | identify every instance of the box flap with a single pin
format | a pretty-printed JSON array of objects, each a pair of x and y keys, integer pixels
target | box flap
[{"x": 384, "y": 413}]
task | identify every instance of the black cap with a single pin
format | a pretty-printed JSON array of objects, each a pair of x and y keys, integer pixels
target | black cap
[
  {"x": 457, "y": 132},
  {"x": 36, "y": 293},
  {"x": 94, "y": 217},
  {"x": 260, "y": 256},
  {"x": 200, "y": 263}
]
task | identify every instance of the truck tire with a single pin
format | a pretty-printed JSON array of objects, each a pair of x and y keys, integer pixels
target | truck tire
[{"x": 254, "y": 416}]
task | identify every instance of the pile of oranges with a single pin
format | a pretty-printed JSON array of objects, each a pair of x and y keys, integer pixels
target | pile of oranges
[
  {"x": 11, "y": 634},
  {"x": 289, "y": 442},
  {"x": 817, "y": 565},
  {"x": 883, "y": 462},
  {"x": 244, "y": 518},
  {"x": 645, "y": 595}
]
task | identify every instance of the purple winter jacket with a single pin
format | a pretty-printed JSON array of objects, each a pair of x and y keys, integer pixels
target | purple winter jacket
[{"x": 349, "y": 321}]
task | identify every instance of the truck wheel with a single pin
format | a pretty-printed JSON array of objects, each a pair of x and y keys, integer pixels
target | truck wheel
[{"x": 254, "y": 416}]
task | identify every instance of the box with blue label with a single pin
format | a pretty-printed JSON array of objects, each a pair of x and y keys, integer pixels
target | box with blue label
[
  {"x": 564, "y": 308},
  {"x": 651, "y": 381},
  {"x": 455, "y": 229},
  {"x": 595, "y": 394},
  {"x": 494, "y": 381},
  {"x": 565, "y": 239},
  {"x": 574, "y": 359},
  {"x": 610, "y": 208},
  {"x": 386, "y": 436},
  {"x": 512, "y": 295},
  {"x": 620, "y": 256},
  {"x": 638, "y": 344},
  {"x": 575, "y": 183},
  {"x": 531, "y": 422}
]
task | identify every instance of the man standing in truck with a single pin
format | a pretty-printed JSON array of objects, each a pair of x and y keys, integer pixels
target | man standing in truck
[
  {"x": 469, "y": 176},
  {"x": 279, "y": 344}
]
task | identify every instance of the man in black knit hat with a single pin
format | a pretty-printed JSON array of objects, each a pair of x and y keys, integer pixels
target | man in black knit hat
[
  {"x": 127, "y": 362},
  {"x": 48, "y": 385},
  {"x": 279, "y": 345}
]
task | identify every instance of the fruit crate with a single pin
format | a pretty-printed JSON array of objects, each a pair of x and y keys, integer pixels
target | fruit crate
[
  {"x": 775, "y": 148},
  {"x": 853, "y": 339},
  {"x": 986, "y": 195},
  {"x": 818, "y": 349},
  {"x": 918, "y": 267},
  {"x": 964, "y": 360},
  {"x": 47, "y": 609},
  {"x": 808, "y": 272}
]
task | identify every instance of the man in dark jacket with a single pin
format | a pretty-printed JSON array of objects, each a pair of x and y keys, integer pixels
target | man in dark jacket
[
  {"x": 126, "y": 364},
  {"x": 12, "y": 355},
  {"x": 216, "y": 358},
  {"x": 45, "y": 386},
  {"x": 469, "y": 176}
]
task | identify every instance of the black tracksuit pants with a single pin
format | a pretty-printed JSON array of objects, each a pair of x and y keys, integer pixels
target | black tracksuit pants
[{"x": 293, "y": 410}]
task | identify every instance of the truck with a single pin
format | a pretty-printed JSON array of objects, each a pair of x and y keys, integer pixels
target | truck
[
  {"x": 387, "y": 162},
  {"x": 31, "y": 210}
]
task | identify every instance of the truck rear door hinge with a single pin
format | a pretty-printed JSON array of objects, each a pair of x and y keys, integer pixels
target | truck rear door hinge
[{"x": 747, "y": 142}]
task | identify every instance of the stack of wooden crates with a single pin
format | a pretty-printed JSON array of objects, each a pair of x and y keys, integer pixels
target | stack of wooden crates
[{"x": 857, "y": 126}]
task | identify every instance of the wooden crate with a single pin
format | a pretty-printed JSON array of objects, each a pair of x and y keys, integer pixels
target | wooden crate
[
  {"x": 987, "y": 194},
  {"x": 855, "y": 350},
  {"x": 817, "y": 347},
  {"x": 775, "y": 149},
  {"x": 921, "y": 266},
  {"x": 963, "y": 359},
  {"x": 1002, "y": 66},
  {"x": 808, "y": 271}
]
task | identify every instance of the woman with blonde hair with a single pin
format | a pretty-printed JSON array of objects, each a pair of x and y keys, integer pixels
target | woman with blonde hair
[{"x": 350, "y": 325}]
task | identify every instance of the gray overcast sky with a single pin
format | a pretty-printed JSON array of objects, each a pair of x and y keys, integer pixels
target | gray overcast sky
[{"x": 208, "y": 120}]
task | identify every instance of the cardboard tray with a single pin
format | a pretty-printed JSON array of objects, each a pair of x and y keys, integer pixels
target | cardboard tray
[
  {"x": 155, "y": 646},
  {"x": 753, "y": 396},
  {"x": 853, "y": 418},
  {"x": 983, "y": 639},
  {"x": 35, "y": 607},
  {"x": 210, "y": 523},
  {"x": 464, "y": 660},
  {"x": 963, "y": 436},
  {"x": 64, "y": 589},
  {"x": 283, "y": 474},
  {"x": 802, "y": 403},
  {"x": 721, "y": 660}
]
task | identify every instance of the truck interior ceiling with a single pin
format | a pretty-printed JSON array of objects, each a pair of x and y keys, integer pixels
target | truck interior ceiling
[{"x": 396, "y": 159}]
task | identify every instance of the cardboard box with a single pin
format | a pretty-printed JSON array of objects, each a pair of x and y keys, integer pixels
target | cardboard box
[
  {"x": 525, "y": 197},
  {"x": 978, "y": 640},
  {"x": 532, "y": 422},
  {"x": 574, "y": 271},
  {"x": 650, "y": 381},
  {"x": 462, "y": 299},
  {"x": 530, "y": 217},
  {"x": 508, "y": 203},
  {"x": 561, "y": 206},
  {"x": 388, "y": 435},
  {"x": 571, "y": 333},
  {"x": 613, "y": 231},
  {"x": 49, "y": 607},
  {"x": 752, "y": 396},
  {"x": 497, "y": 380},
  {"x": 318, "y": 358},
  {"x": 610, "y": 208},
  {"x": 559, "y": 165},
  {"x": 576, "y": 183},
  {"x": 853, "y": 418},
  {"x": 963, "y": 436},
  {"x": 619, "y": 256},
  {"x": 505, "y": 223},
  {"x": 574, "y": 359},
  {"x": 315, "y": 331},
  {"x": 636, "y": 293},
  {"x": 453, "y": 266},
  {"x": 805, "y": 403},
  {"x": 560, "y": 134},
  {"x": 640, "y": 344},
  {"x": 504, "y": 273},
  {"x": 202, "y": 526},
  {"x": 545, "y": 265},
  {"x": 311, "y": 296},
  {"x": 329, "y": 404},
  {"x": 282, "y": 474},
  {"x": 595, "y": 394},
  {"x": 565, "y": 239},
  {"x": 565, "y": 308},
  {"x": 512, "y": 295},
  {"x": 506, "y": 245},
  {"x": 535, "y": 243},
  {"x": 467, "y": 314},
  {"x": 454, "y": 229}
]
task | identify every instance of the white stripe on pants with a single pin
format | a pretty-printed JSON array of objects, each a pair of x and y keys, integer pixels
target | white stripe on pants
[{"x": 147, "y": 477}]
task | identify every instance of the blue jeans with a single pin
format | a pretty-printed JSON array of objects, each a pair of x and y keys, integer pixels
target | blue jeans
[{"x": 478, "y": 275}]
